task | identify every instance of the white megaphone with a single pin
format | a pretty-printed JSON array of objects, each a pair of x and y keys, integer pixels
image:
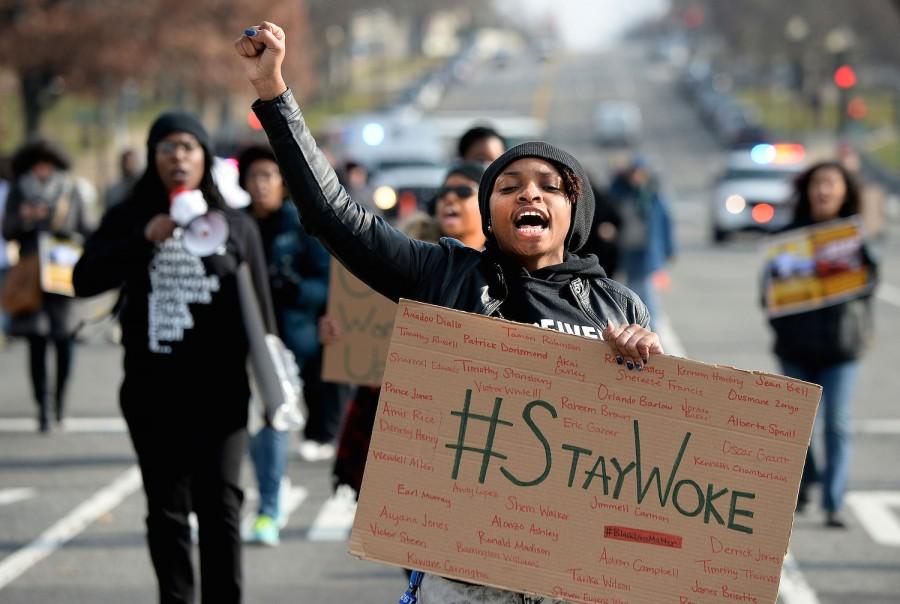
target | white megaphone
[{"x": 204, "y": 231}]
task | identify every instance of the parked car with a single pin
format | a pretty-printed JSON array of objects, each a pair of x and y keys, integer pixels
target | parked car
[
  {"x": 754, "y": 191},
  {"x": 617, "y": 123}
]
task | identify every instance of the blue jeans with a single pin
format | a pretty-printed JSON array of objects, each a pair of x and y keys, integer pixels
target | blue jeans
[
  {"x": 269, "y": 452},
  {"x": 4, "y": 318},
  {"x": 835, "y": 410}
]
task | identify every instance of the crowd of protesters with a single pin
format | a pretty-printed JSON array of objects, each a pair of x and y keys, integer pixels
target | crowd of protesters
[{"x": 179, "y": 312}]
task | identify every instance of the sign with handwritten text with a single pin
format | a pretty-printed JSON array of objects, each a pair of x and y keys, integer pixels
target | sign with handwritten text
[
  {"x": 366, "y": 319},
  {"x": 816, "y": 266},
  {"x": 519, "y": 457}
]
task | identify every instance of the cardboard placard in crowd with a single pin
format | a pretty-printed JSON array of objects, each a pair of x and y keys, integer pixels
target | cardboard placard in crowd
[
  {"x": 814, "y": 267},
  {"x": 366, "y": 319},
  {"x": 527, "y": 459},
  {"x": 58, "y": 256}
]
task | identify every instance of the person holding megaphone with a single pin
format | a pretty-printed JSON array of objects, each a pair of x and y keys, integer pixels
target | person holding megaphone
[{"x": 174, "y": 247}]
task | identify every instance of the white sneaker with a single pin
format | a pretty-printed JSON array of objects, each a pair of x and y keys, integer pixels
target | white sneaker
[
  {"x": 311, "y": 450},
  {"x": 326, "y": 451}
]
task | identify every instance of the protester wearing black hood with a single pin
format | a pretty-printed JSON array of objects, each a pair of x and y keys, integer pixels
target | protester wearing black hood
[
  {"x": 186, "y": 391},
  {"x": 537, "y": 209}
]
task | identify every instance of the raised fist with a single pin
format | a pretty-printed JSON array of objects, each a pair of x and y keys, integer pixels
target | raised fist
[{"x": 262, "y": 49}]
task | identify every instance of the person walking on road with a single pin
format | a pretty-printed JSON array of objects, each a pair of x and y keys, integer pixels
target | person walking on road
[
  {"x": 45, "y": 199},
  {"x": 186, "y": 391},
  {"x": 298, "y": 278},
  {"x": 536, "y": 206},
  {"x": 824, "y": 346},
  {"x": 646, "y": 235},
  {"x": 481, "y": 144}
]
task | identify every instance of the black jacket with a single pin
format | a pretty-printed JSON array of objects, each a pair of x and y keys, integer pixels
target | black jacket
[
  {"x": 182, "y": 328},
  {"x": 446, "y": 274}
]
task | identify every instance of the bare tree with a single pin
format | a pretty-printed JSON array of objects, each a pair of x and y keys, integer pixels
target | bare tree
[{"x": 93, "y": 46}]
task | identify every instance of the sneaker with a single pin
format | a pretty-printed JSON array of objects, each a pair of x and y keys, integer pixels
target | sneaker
[
  {"x": 833, "y": 519},
  {"x": 265, "y": 531},
  {"x": 311, "y": 450},
  {"x": 326, "y": 451}
]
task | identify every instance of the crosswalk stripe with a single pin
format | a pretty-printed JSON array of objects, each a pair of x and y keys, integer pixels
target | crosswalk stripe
[
  {"x": 873, "y": 509},
  {"x": 793, "y": 588},
  {"x": 84, "y": 425},
  {"x": 335, "y": 518},
  {"x": 8, "y": 496},
  {"x": 888, "y": 293},
  {"x": 70, "y": 526}
]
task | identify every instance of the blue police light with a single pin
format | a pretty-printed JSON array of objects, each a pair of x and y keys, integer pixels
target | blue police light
[
  {"x": 763, "y": 154},
  {"x": 373, "y": 134}
]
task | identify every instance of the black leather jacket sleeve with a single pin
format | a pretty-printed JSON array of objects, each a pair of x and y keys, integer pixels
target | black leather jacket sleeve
[{"x": 381, "y": 256}]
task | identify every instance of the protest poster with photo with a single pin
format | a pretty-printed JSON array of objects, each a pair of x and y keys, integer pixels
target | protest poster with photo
[
  {"x": 522, "y": 458},
  {"x": 366, "y": 319},
  {"x": 814, "y": 267},
  {"x": 58, "y": 256}
]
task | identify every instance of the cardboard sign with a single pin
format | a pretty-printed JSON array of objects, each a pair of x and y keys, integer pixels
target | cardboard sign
[
  {"x": 519, "y": 457},
  {"x": 815, "y": 267},
  {"x": 366, "y": 319},
  {"x": 58, "y": 257}
]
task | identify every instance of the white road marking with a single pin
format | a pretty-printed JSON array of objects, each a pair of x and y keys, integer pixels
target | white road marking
[
  {"x": 877, "y": 426},
  {"x": 84, "y": 425},
  {"x": 873, "y": 509},
  {"x": 335, "y": 518},
  {"x": 70, "y": 526},
  {"x": 793, "y": 588},
  {"x": 8, "y": 496},
  {"x": 888, "y": 293}
]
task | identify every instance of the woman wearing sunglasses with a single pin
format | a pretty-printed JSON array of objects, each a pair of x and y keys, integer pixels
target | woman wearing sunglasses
[{"x": 456, "y": 210}]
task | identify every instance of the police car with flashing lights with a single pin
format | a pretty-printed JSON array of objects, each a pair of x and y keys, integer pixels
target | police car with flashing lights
[{"x": 755, "y": 190}]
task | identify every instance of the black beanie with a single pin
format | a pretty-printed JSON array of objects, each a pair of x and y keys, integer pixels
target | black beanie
[
  {"x": 582, "y": 208},
  {"x": 468, "y": 169},
  {"x": 250, "y": 155},
  {"x": 177, "y": 121}
]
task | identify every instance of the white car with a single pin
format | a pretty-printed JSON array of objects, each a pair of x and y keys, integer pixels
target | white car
[
  {"x": 617, "y": 123},
  {"x": 756, "y": 190}
]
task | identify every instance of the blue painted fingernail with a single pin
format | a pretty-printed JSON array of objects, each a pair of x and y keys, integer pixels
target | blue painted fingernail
[
  {"x": 249, "y": 32},
  {"x": 630, "y": 365},
  {"x": 639, "y": 367},
  {"x": 620, "y": 360}
]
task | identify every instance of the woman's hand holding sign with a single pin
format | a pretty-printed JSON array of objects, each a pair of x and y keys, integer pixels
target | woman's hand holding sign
[
  {"x": 262, "y": 50},
  {"x": 632, "y": 344}
]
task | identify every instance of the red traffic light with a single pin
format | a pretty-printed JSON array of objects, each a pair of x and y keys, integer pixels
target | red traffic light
[{"x": 845, "y": 77}]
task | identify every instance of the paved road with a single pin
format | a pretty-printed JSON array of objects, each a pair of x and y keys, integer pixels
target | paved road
[{"x": 84, "y": 477}]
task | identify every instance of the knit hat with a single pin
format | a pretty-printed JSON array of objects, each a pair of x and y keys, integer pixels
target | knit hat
[
  {"x": 177, "y": 121},
  {"x": 250, "y": 155},
  {"x": 582, "y": 208}
]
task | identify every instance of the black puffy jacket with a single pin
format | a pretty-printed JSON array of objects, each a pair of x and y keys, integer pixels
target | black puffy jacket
[{"x": 446, "y": 274}]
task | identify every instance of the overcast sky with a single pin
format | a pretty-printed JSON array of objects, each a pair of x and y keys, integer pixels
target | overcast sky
[{"x": 588, "y": 24}]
